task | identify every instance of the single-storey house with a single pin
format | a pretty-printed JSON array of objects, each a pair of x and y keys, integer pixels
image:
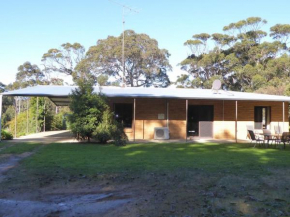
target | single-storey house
[{"x": 149, "y": 113}]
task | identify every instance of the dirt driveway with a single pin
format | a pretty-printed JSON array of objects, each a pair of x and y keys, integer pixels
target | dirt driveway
[{"x": 47, "y": 137}]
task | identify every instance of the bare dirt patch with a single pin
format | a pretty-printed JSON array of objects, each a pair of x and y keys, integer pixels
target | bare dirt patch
[
  {"x": 62, "y": 205},
  {"x": 179, "y": 193},
  {"x": 10, "y": 161}
]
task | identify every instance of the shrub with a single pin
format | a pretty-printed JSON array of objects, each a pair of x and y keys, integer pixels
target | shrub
[
  {"x": 6, "y": 135},
  {"x": 110, "y": 129},
  {"x": 87, "y": 109}
]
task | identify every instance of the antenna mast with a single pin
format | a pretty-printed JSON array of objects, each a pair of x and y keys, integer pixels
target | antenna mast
[{"x": 124, "y": 7}]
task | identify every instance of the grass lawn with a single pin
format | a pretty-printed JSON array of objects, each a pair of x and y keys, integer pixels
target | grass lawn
[
  {"x": 18, "y": 148},
  {"x": 91, "y": 159},
  {"x": 166, "y": 179}
]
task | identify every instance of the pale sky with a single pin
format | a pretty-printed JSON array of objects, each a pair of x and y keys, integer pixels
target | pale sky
[{"x": 29, "y": 28}]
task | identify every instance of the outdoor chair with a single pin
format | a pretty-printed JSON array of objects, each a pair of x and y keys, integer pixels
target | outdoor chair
[
  {"x": 268, "y": 136},
  {"x": 254, "y": 138},
  {"x": 277, "y": 129},
  {"x": 285, "y": 138}
]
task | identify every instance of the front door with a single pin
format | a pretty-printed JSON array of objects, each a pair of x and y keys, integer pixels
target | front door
[{"x": 199, "y": 116}]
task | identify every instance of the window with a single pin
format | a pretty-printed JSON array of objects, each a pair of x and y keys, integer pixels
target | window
[
  {"x": 124, "y": 114},
  {"x": 262, "y": 117}
]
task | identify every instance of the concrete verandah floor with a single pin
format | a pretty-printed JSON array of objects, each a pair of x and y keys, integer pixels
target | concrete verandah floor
[
  {"x": 65, "y": 136},
  {"x": 188, "y": 141}
]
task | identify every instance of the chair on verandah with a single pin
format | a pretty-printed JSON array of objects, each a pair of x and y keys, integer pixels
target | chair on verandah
[
  {"x": 268, "y": 136},
  {"x": 285, "y": 138},
  {"x": 254, "y": 138},
  {"x": 277, "y": 130}
]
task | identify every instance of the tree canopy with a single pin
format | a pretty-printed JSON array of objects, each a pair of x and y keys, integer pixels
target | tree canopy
[
  {"x": 28, "y": 75},
  {"x": 2, "y": 87},
  {"x": 145, "y": 63},
  {"x": 64, "y": 60},
  {"x": 241, "y": 58},
  {"x": 31, "y": 75}
]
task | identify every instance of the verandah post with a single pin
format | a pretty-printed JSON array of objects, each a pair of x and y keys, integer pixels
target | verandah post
[
  {"x": 236, "y": 124},
  {"x": 134, "y": 119},
  {"x": 44, "y": 116},
  {"x": 27, "y": 107},
  {"x": 186, "y": 120},
  {"x": 167, "y": 114},
  {"x": 15, "y": 119},
  {"x": 36, "y": 123},
  {"x": 283, "y": 116}
]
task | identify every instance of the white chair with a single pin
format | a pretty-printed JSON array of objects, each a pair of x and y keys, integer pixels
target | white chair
[
  {"x": 268, "y": 135},
  {"x": 277, "y": 130},
  {"x": 266, "y": 132}
]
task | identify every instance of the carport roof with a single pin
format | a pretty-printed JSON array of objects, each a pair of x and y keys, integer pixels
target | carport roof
[{"x": 59, "y": 94}]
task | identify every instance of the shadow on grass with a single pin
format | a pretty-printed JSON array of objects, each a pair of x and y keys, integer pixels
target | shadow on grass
[{"x": 92, "y": 159}]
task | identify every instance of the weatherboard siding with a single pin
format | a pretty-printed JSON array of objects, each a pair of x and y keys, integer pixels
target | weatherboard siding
[{"x": 147, "y": 110}]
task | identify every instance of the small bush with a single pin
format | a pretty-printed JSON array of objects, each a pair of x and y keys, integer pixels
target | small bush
[
  {"x": 110, "y": 129},
  {"x": 6, "y": 135}
]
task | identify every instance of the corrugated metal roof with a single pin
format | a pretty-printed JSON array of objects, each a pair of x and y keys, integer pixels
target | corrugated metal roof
[{"x": 62, "y": 92}]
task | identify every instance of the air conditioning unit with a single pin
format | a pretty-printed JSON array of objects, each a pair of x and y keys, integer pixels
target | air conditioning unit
[{"x": 161, "y": 133}]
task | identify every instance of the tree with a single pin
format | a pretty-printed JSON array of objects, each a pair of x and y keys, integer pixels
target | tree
[
  {"x": 2, "y": 87},
  {"x": 28, "y": 75},
  {"x": 91, "y": 116},
  {"x": 241, "y": 59},
  {"x": 145, "y": 63},
  {"x": 64, "y": 60},
  {"x": 87, "y": 109},
  {"x": 280, "y": 32}
]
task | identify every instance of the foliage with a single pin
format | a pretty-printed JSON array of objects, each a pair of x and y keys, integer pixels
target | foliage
[
  {"x": 7, "y": 110},
  {"x": 87, "y": 108},
  {"x": 64, "y": 60},
  {"x": 108, "y": 129},
  {"x": 2, "y": 87},
  {"x": 91, "y": 116},
  {"x": 35, "y": 120},
  {"x": 145, "y": 63},
  {"x": 280, "y": 32},
  {"x": 28, "y": 75},
  {"x": 241, "y": 58},
  {"x": 5, "y": 135},
  {"x": 59, "y": 122}
]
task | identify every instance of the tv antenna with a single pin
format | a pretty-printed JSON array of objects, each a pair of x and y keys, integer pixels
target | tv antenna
[{"x": 125, "y": 9}]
